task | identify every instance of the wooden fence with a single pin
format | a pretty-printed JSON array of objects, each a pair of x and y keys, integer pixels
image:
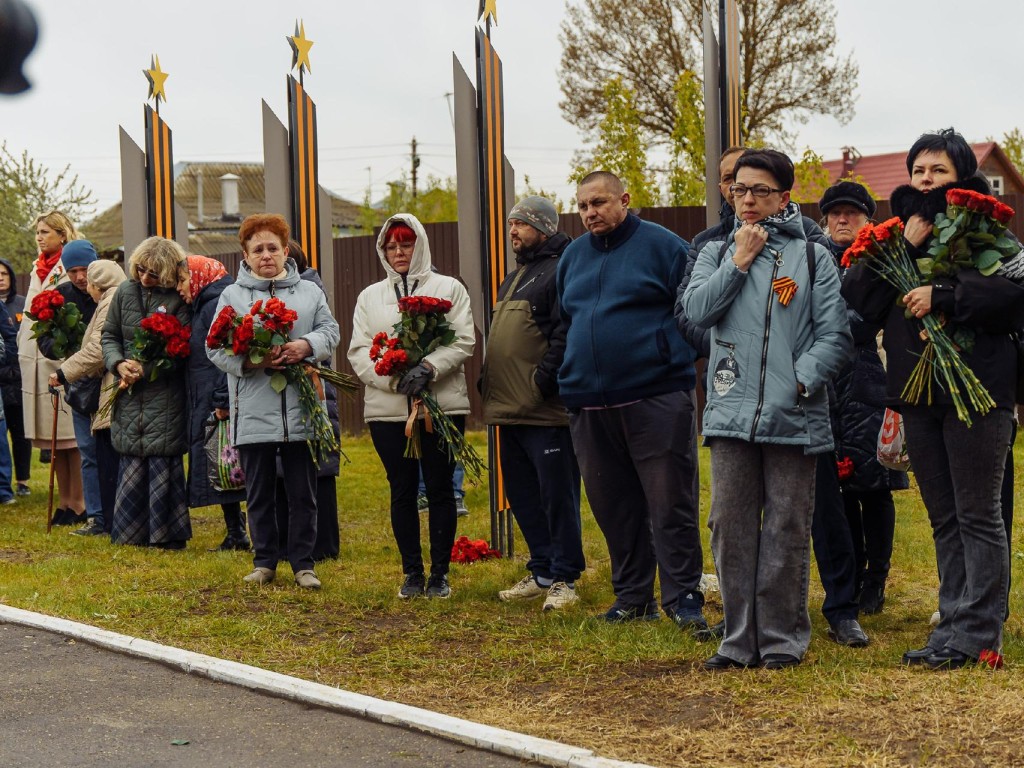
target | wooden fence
[{"x": 357, "y": 266}]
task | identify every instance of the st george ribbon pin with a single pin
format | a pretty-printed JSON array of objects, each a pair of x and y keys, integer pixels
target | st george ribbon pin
[{"x": 785, "y": 287}]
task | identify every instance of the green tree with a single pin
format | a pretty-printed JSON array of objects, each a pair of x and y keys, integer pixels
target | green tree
[
  {"x": 789, "y": 67},
  {"x": 28, "y": 188},
  {"x": 529, "y": 189},
  {"x": 436, "y": 200},
  {"x": 621, "y": 147},
  {"x": 1013, "y": 145},
  {"x": 687, "y": 175}
]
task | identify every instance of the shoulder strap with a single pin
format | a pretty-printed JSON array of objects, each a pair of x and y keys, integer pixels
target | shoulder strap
[{"x": 812, "y": 262}]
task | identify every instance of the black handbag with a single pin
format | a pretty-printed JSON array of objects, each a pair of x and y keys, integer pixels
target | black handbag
[{"x": 84, "y": 395}]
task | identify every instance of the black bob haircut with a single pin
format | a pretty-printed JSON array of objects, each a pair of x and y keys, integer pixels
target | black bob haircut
[
  {"x": 953, "y": 144},
  {"x": 774, "y": 162}
]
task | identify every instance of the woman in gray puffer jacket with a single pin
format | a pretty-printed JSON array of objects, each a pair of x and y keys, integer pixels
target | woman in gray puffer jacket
[
  {"x": 148, "y": 427},
  {"x": 266, "y": 424}
]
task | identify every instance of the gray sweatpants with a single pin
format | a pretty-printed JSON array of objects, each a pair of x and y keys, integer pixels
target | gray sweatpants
[{"x": 762, "y": 501}]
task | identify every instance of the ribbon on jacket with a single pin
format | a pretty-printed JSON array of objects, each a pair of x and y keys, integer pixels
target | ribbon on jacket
[{"x": 414, "y": 412}]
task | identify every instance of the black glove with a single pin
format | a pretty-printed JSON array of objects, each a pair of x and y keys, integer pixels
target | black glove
[{"x": 415, "y": 380}]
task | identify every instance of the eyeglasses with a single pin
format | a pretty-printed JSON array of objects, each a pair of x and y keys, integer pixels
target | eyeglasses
[
  {"x": 143, "y": 272},
  {"x": 392, "y": 248},
  {"x": 758, "y": 190}
]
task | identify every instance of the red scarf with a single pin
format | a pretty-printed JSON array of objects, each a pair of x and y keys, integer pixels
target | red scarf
[{"x": 45, "y": 264}]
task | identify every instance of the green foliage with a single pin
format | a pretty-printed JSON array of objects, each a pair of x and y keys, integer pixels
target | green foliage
[
  {"x": 621, "y": 147},
  {"x": 528, "y": 189},
  {"x": 687, "y": 175},
  {"x": 1013, "y": 145},
  {"x": 811, "y": 178},
  {"x": 437, "y": 200},
  {"x": 28, "y": 188}
]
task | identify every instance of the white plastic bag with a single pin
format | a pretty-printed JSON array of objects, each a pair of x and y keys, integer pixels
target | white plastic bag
[{"x": 892, "y": 443}]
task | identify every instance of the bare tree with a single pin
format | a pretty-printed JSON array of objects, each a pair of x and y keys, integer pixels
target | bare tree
[{"x": 789, "y": 67}]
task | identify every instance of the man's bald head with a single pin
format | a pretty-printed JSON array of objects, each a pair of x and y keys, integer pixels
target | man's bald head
[{"x": 602, "y": 201}]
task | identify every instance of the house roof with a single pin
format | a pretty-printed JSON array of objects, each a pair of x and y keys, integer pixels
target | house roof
[
  {"x": 883, "y": 173},
  {"x": 213, "y": 235}
]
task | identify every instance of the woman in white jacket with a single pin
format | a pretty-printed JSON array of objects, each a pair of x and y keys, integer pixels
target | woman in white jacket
[{"x": 405, "y": 255}]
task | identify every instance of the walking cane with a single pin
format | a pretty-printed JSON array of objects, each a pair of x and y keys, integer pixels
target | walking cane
[{"x": 54, "y": 396}]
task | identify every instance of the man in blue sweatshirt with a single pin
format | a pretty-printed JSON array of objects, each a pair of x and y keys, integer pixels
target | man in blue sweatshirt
[{"x": 628, "y": 381}]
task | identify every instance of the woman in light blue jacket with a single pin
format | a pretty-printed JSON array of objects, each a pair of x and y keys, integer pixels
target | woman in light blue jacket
[
  {"x": 779, "y": 332},
  {"x": 266, "y": 424}
]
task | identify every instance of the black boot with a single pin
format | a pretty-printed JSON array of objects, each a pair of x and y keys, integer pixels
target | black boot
[{"x": 234, "y": 521}]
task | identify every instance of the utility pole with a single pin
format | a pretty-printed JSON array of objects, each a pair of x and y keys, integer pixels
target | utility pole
[{"x": 415, "y": 166}]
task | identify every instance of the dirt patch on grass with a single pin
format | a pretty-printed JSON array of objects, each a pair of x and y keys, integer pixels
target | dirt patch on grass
[{"x": 15, "y": 556}]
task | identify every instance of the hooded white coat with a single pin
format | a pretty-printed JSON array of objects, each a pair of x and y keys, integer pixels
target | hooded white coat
[{"x": 377, "y": 310}]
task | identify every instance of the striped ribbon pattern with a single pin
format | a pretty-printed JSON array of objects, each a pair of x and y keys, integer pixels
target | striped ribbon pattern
[{"x": 785, "y": 287}]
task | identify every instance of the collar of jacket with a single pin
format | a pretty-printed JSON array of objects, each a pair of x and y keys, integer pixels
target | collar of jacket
[
  {"x": 549, "y": 249},
  {"x": 726, "y": 213},
  {"x": 906, "y": 201},
  {"x": 617, "y": 236}
]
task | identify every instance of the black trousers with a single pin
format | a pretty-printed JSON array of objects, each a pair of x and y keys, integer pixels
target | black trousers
[
  {"x": 108, "y": 464},
  {"x": 21, "y": 448},
  {"x": 872, "y": 519},
  {"x": 259, "y": 462},
  {"x": 403, "y": 476},
  {"x": 328, "y": 544},
  {"x": 833, "y": 544}
]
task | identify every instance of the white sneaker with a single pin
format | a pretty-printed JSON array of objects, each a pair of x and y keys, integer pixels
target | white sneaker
[
  {"x": 307, "y": 580},
  {"x": 527, "y": 589},
  {"x": 260, "y": 576},
  {"x": 560, "y": 595}
]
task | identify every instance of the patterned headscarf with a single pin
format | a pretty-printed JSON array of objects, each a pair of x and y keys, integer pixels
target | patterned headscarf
[{"x": 202, "y": 271}]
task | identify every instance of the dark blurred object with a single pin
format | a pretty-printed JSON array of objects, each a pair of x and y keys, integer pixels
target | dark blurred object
[{"x": 18, "y": 33}]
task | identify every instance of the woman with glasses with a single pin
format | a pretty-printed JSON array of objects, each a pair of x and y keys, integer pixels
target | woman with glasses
[
  {"x": 405, "y": 255},
  {"x": 778, "y": 334},
  {"x": 149, "y": 427}
]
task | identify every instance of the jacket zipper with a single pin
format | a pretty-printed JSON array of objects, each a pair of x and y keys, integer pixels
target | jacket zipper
[
  {"x": 593, "y": 337},
  {"x": 764, "y": 344}
]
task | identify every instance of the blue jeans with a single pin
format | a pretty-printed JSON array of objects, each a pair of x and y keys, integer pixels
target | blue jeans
[
  {"x": 90, "y": 471},
  {"x": 6, "y": 491}
]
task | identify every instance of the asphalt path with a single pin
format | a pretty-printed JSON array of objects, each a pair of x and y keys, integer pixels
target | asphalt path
[{"x": 67, "y": 703}]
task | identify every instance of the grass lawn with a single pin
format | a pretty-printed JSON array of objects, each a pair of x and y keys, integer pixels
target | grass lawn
[{"x": 633, "y": 692}]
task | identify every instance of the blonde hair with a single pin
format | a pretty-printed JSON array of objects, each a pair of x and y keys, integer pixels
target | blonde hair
[
  {"x": 59, "y": 223},
  {"x": 160, "y": 255}
]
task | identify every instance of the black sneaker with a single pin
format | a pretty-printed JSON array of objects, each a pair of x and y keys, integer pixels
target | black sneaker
[
  {"x": 92, "y": 528},
  {"x": 437, "y": 586},
  {"x": 412, "y": 586},
  {"x": 619, "y": 614},
  {"x": 688, "y": 614},
  {"x": 23, "y": 490},
  {"x": 717, "y": 632}
]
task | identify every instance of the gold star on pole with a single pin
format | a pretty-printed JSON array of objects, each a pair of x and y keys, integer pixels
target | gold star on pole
[
  {"x": 300, "y": 48},
  {"x": 156, "y": 80},
  {"x": 489, "y": 8}
]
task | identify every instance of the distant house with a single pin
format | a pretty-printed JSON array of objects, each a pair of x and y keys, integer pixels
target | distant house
[
  {"x": 216, "y": 197},
  {"x": 883, "y": 173}
]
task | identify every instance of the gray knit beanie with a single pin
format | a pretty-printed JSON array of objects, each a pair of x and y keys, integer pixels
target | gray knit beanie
[{"x": 538, "y": 212}]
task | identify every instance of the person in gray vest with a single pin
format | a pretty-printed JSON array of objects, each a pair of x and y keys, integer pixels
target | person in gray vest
[{"x": 525, "y": 347}]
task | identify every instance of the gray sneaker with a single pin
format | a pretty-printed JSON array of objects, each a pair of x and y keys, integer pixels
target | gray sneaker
[
  {"x": 422, "y": 505},
  {"x": 260, "y": 576},
  {"x": 525, "y": 589},
  {"x": 460, "y": 507},
  {"x": 307, "y": 580},
  {"x": 560, "y": 595},
  {"x": 437, "y": 586},
  {"x": 413, "y": 586}
]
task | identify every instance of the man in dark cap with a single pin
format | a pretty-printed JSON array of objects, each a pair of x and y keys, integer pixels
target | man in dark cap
[{"x": 520, "y": 392}]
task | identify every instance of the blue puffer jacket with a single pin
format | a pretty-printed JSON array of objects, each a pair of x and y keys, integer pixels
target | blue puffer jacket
[
  {"x": 258, "y": 413},
  {"x": 761, "y": 349},
  {"x": 617, "y": 292}
]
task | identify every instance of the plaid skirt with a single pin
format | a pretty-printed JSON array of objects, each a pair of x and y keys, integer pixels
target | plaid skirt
[{"x": 152, "y": 502}]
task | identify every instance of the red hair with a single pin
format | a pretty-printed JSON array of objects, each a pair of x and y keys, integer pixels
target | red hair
[
  {"x": 264, "y": 222},
  {"x": 400, "y": 232}
]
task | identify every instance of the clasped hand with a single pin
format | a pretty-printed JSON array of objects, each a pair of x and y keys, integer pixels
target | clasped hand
[
  {"x": 750, "y": 240},
  {"x": 286, "y": 354}
]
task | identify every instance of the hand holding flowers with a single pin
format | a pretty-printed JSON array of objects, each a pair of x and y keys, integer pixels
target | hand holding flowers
[{"x": 58, "y": 320}]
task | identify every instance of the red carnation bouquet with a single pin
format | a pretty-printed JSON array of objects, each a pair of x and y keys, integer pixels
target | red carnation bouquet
[
  {"x": 971, "y": 233},
  {"x": 423, "y": 327},
  {"x": 466, "y": 550},
  {"x": 257, "y": 334},
  {"x": 882, "y": 248},
  {"x": 58, "y": 319},
  {"x": 160, "y": 343}
]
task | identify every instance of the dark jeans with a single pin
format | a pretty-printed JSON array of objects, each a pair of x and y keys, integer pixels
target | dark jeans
[
  {"x": 833, "y": 545},
  {"x": 1006, "y": 502},
  {"x": 259, "y": 461},
  {"x": 639, "y": 466},
  {"x": 542, "y": 483},
  {"x": 21, "y": 447},
  {"x": 872, "y": 519},
  {"x": 108, "y": 466},
  {"x": 403, "y": 477},
  {"x": 959, "y": 470}
]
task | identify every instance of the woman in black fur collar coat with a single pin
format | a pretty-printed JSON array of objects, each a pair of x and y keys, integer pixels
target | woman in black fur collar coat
[{"x": 959, "y": 469}]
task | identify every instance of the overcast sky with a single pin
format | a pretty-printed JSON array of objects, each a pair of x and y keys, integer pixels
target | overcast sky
[{"x": 380, "y": 72}]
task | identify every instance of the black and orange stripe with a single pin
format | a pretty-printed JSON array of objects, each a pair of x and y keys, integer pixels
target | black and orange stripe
[
  {"x": 491, "y": 130},
  {"x": 159, "y": 176},
  {"x": 785, "y": 287},
  {"x": 730, "y": 67},
  {"x": 305, "y": 178}
]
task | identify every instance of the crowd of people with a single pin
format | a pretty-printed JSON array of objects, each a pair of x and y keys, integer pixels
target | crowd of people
[{"x": 591, "y": 378}]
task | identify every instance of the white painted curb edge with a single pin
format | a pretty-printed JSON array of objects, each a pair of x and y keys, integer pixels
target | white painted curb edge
[{"x": 486, "y": 737}]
